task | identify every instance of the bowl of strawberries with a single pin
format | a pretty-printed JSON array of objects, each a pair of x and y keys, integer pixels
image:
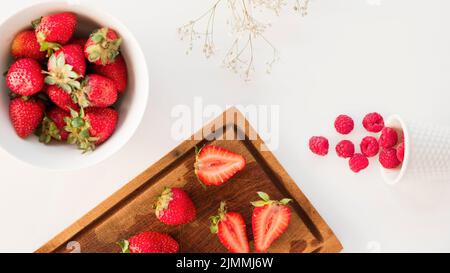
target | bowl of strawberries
[{"x": 75, "y": 85}]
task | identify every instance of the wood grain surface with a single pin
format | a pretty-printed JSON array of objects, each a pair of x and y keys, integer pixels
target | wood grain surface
[{"x": 129, "y": 211}]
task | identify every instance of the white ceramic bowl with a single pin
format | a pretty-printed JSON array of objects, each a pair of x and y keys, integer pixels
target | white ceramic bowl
[{"x": 131, "y": 108}]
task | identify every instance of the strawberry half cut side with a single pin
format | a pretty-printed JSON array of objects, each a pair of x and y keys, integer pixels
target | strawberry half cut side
[
  {"x": 230, "y": 228},
  {"x": 215, "y": 165},
  {"x": 269, "y": 220}
]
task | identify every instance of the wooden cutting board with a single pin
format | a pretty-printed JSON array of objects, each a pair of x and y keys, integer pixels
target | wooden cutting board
[{"x": 129, "y": 211}]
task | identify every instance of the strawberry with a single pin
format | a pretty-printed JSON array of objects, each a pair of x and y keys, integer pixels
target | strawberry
[
  {"x": 175, "y": 207},
  {"x": 61, "y": 98},
  {"x": 149, "y": 242},
  {"x": 79, "y": 41},
  {"x": 103, "y": 46},
  {"x": 96, "y": 91},
  {"x": 73, "y": 55},
  {"x": 116, "y": 71},
  {"x": 215, "y": 165},
  {"x": 54, "y": 30},
  {"x": 25, "y": 115},
  {"x": 25, "y": 45},
  {"x": 269, "y": 220},
  {"x": 230, "y": 228},
  {"x": 91, "y": 128},
  {"x": 52, "y": 126},
  {"x": 62, "y": 73},
  {"x": 25, "y": 78}
]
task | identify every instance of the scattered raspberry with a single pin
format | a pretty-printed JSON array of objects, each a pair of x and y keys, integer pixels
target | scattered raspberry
[
  {"x": 358, "y": 163},
  {"x": 388, "y": 158},
  {"x": 388, "y": 138},
  {"x": 369, "y": 146},
  {"x": 401, "y": 151},
  {"x": 319, "y": 145},
  {"x": 344, "y": 124},
  {"x": 345, "y": 149},
  {"x": 373, "y": 122}
]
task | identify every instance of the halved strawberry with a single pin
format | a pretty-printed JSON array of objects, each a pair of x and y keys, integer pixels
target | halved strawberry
[
  {"x": 215, "y": 165},
  {"x": 269, "y": 220},
  {"x": 230, "y": 228}
]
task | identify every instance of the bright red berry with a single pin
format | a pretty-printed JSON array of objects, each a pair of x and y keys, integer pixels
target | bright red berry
[
  {"x": 73, "y": 55},
  {"x": 388, "y": 158},
  {"x": 319, "y": 145},
  {"x": 25, "y": 45},
  {"x": 369, "y": 146},
  {"x": 26, "y": 115},
  {"x": 344, "y": 124},
  {"x": 373, "y": 122},
  {"x": 345, "y": 149},
  {"x": 117, "y": 72},
  {"x": 175, "y": 207},
  {"x": 61, "y": 98},
  {"x": 401, "y": 152},
  {"x": 388, "y": 138},
  {"x": 358, "y": 163},
  {"x": 55, "y": 30},
  {"x": 96, "y": 91},
  {"x": 230, "y": 229},
  {"x": 149, "y": 242},
  {"x": 25, "y": 77}
]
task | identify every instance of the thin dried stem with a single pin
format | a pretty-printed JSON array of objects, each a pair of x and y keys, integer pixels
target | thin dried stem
[{"x": 245, "y": 29}]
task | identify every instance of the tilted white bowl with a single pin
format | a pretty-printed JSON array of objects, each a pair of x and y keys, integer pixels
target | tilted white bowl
[{"x": 131, "y": 107}]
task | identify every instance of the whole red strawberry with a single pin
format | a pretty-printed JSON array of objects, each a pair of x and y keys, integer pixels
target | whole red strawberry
[
  {"x": 269, "y": 220},
  {"x": 25, "y": 77},
  {"x": 230, "y": 228},
  {"x": 26, "y": 115},
  {"x": 61, "y": 98},
  {"x": 96, "y": 91},
  {"x": 91, "y": 128},
  {"x": 116, "y": 71},
  {"x": 64, "y": 74},
  {"x": 73, "y": 55},
  {"x": 25, "y": 45},
  {"x": 55, "y": 30},
  {"x": 52, "y": 126},
  {"x": 215, "y": 165},
  {"x": 175, "y": 207},
  {"x": 103, "y": 46},
  {"x": 149, "y": 242}
]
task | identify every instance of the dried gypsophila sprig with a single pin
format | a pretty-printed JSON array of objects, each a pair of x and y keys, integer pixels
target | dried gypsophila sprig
[{"x": 245, "y": 29}]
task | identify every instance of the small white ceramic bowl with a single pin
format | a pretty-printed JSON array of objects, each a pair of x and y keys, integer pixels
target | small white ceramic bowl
[{"x": 131, "y": 107}]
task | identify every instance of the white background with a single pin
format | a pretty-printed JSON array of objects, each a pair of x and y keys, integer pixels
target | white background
[{"x": 346, "y": 56}]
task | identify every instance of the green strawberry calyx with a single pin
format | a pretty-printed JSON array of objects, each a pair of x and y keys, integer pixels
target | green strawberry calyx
[
  {"x": 48, "y": 131},
  {"x": 265, "y": 200},
  {"x": 163, "y": 201},
  {"x": 221, "y": 215},
  {"x": 124, "y": 246},
  {"x": 61, "y": 74},
  {"x": 79, "y": 95},
  {"x": 78, "y": 128},
  {"x": 103, "y": 49}
]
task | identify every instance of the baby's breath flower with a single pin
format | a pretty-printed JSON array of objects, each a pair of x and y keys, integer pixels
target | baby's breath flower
[{"x": 244, "y": 29}]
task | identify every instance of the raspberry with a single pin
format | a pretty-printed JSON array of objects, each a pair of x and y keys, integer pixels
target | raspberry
[
  {"x": 345, "y": 149},
  {"x": 369, "y": 146},
  {"x": 388, "y": 138},
  {"x": 319, "y": 145},
  {"x": 358, "y": 163},
  {"x": 344, "y": 124},
  {"x": 388, "y": 158},
  {"x": 373, "y": 122},
  {"x": 401, "y": 151}
]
